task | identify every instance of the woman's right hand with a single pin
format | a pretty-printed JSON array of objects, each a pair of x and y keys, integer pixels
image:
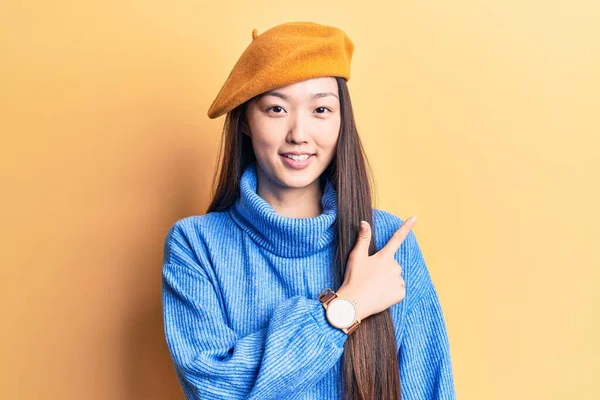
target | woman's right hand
[{"x": 375, "y": 282}]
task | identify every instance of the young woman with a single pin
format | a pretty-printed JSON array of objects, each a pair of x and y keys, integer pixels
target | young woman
[{"x": 279, "y": 291}]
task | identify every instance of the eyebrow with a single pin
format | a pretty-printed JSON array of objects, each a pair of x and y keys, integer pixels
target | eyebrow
[{"x": 284, "y": 97}]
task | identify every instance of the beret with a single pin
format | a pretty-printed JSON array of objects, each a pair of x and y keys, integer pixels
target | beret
[{"x": 285, "y": 54}]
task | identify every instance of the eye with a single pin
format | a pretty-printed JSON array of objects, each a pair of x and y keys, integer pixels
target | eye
[
  {"x": 277, "y": 109},
  {"x": 323, "y": 108}
]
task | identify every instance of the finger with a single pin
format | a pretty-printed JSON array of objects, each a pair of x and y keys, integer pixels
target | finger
[
  {"x": 398, "y": 237},
  {"x": 364, "y": 239}
]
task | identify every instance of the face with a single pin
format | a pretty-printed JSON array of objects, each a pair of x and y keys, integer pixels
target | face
[{"x": 289, "y": 124}]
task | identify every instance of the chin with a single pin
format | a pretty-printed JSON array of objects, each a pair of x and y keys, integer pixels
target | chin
[
  {"x": 297, "y": 178},
  {"x": 293, "y": 178},
  {"x": 300, "y": 180}
]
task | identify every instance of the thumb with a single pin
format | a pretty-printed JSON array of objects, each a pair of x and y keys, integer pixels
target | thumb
[{"x": 364, "y": 238}]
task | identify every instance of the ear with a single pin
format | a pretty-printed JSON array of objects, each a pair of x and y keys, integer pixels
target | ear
[{"x": 245, "y": 127}]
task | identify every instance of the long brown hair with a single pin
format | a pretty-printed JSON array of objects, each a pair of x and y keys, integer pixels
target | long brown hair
[{"x": 370, "y": 363}]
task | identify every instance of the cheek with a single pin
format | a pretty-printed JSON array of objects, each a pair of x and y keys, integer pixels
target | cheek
[
  {"x": 263, "y": 135},
  {"x": 328, "y": 143},
  {"x": 263, "y": 142},
  {"x": 330, "y": 135}
]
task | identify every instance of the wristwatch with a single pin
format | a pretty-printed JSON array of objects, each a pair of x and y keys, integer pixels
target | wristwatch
[{"x": 341, "y": 313}]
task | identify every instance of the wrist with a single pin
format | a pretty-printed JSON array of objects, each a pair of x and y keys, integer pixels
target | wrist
[{"x": 346, "y": 292}]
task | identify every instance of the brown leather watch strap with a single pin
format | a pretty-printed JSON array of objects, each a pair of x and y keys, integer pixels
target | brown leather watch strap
[
  {"x": 326, "y": 296},
  {"x": 352, "y": 328}
]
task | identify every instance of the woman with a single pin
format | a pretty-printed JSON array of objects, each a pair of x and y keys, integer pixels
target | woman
[{"x": 249, "y": 309}]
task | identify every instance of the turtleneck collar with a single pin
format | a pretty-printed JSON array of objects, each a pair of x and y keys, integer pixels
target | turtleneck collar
[{"x": 283, "y": 236}]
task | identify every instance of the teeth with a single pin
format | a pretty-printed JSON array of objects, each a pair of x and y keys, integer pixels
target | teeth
[{"x": 297, "y": 158}]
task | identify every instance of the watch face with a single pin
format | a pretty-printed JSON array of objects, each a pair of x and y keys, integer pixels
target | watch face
[{"x": 341, "y": 313}]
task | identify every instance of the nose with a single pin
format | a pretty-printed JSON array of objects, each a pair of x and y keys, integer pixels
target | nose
[{"x": 298, "y": 130}]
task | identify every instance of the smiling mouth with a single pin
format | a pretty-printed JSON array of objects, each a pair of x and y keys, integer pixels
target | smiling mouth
[{"x": 298, "y": 158}]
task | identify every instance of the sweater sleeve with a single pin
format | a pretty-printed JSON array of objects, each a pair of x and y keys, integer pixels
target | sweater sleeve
[
  {"x": 424, "y": 353},
  {"x": 290, "y": 354}
]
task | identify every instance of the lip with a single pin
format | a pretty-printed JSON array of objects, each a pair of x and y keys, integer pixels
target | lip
[
  {"x": 297, "y": 164},
  {"x": 298, "y": 153}
]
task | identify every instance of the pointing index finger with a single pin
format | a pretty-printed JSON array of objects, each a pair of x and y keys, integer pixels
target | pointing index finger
[{"x": 398, "y": 237}]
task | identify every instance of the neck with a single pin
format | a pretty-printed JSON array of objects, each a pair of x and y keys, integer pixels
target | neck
[
  {"x": 281, "y": 235},
  {"x": 304, "y": 202}
]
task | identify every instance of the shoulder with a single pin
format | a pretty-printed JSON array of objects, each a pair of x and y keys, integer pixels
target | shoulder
[
  {"x": 385, "y": 217},
  {"x": 188, "y": 235},
  {"x": 409, "y": 255},
  {"x": 385, "y": 224},
  {"x": 197, "y": 223}
]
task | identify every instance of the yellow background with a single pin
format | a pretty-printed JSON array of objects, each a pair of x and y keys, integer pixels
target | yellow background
[{"x": 480, "y": 117}]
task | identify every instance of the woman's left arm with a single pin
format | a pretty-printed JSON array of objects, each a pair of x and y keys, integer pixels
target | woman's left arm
[{"x": 424, "y": 354}]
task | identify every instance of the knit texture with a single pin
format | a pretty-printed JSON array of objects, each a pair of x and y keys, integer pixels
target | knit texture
[{"x": 241, "y": 315}]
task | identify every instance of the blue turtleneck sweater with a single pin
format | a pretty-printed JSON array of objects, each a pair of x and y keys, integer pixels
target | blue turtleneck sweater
[{"x": 241, "y": 315}]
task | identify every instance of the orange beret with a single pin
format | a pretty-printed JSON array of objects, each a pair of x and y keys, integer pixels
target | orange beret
[{"x": 285, "y": 54}]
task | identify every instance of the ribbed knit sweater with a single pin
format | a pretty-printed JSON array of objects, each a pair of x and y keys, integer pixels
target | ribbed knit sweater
[{"x": 241, "y": 315}]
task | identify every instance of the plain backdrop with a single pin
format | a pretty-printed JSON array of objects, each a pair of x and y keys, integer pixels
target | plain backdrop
[{"x": 480, "y": 117}]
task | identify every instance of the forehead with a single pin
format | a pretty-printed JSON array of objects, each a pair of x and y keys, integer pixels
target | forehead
[{"x": 309, "y": 88}]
